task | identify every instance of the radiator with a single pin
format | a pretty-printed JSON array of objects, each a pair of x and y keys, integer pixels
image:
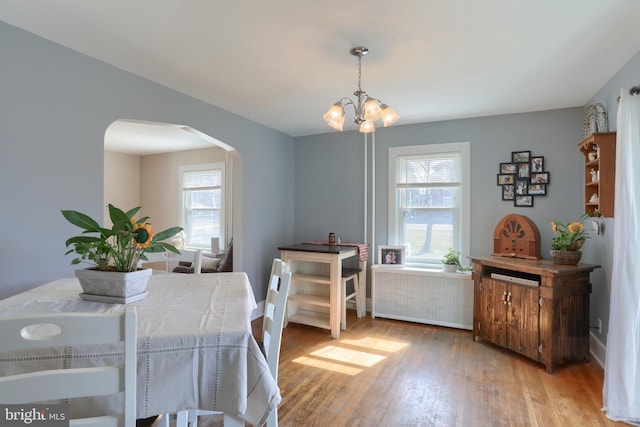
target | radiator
[{"x": 417, "y": 295}]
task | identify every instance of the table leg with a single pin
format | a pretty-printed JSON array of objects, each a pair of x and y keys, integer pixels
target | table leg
[
  {"x": 335, "y": 311},
  {"x": 362, "y": 287}
]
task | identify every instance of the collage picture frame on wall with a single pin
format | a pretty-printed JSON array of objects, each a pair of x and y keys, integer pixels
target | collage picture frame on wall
[{"x": 522, "y": 178}]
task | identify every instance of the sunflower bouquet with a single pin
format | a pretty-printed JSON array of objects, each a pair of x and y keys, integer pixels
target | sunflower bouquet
[
  {"x": 568, "y": 237},
  {"x": 120, "y": 247}
]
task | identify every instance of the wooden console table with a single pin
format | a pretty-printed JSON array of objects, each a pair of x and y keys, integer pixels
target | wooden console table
[
  {"x": 316, "y": 283},
  {"x": 534, "y": 307}
]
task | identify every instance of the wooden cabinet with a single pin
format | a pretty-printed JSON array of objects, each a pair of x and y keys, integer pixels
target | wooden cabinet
[
  {"x": 533, "y": 307},
  {"x": 510, "y": 316},
  {"x": 599, "y": 151}
]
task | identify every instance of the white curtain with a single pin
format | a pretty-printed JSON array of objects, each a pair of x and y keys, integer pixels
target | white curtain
[{"x": 621, "y": 392}]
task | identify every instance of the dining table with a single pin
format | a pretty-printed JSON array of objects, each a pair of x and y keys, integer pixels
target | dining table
[{"x": 195, "y": 346}]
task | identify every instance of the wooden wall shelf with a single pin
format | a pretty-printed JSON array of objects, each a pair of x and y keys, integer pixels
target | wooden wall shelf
[{"x": 605, "y": 167}]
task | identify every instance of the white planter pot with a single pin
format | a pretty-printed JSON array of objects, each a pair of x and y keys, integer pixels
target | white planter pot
[
  {"x": 450, "y": 268},
  {"x": 125, "y": 286}
]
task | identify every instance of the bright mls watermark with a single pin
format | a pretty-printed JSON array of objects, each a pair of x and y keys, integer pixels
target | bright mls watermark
[{"x": 34, "y": 415}]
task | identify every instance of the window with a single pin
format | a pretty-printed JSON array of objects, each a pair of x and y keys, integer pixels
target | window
[
  {"x": 202, "y": 203},
  {"x": 429, "y": 201}
]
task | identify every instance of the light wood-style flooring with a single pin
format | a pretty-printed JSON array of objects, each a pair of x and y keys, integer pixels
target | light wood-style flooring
[
  {"x": 392, "y": 373},
  {"x": 388, "y": 373}
]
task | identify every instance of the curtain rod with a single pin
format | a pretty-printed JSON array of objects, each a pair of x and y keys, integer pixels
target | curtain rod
[{"x": 635, "y": 90}]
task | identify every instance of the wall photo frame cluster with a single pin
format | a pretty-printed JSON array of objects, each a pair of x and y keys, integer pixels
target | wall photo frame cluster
[{"x": 522, "y": 178}]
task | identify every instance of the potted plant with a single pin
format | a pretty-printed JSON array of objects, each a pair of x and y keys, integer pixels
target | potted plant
[
  {"x": 115, "y": 252},
  {"x": 451, "y": 261},
  {"x": 567, "y": 241}
]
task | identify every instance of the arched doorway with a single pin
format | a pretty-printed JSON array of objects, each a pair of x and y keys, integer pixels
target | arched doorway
[{"x": 141, "y": 162}]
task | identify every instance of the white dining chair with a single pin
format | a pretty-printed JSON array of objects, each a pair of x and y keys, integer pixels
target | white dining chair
[
  {"x": 272, "y": 323},
  {"x": 71, "y": 329}
]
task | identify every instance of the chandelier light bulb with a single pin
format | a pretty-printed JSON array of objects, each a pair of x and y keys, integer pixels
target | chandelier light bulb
[
  {"x": 335, "y": 116},
  {"x": 367, "y": 127},
  {"x": 389, "y": 116},
  {"x": 372, "y": 110},
  {"x": 367, "y": 110}
]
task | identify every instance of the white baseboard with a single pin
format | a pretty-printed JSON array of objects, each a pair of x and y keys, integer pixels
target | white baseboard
[{"x": 597, "y": 349}]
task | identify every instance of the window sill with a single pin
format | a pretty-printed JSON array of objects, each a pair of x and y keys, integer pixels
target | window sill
[{"x": 418, "y": 270}]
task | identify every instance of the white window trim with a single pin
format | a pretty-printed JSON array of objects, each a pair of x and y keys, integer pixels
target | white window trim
[
  {"x": 464, "y": 148},
  {"x": 198, "y": 167}
]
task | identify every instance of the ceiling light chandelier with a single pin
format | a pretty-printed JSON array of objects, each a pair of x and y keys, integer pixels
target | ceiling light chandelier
[{"x": 367, "y": 109}]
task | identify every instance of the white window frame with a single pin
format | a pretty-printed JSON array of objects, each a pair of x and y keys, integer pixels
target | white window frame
[
  {"x": 463, "y": 240},
  {"x": 183, "y": 169}
]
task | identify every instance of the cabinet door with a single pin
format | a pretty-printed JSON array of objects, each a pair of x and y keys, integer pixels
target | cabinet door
[
  {"x": 491, "y": 320},
  {"x": 523, "y": 311}
]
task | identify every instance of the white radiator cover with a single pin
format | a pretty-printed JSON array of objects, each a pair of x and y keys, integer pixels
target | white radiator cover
[{"x": 424, "y": 296}]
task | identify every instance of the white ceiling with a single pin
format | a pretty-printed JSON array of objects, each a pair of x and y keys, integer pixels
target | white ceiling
[{"x": 282, "y": 63}]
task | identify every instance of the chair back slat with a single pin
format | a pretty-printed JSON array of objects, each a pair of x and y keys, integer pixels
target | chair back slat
[
  {"x": 73, "y": 329},
  {"x": 274, "y": 309}
]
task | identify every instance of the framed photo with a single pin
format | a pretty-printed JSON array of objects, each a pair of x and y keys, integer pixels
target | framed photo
[
  {"x": 540, "y": 178},
  {"x": 506, "y": 179},
  {"x": 538, "y": 189},
  {"x": 523, "y": 170},
  {"x": 523, "y": 201},
  {"x": 391, "y": 255},
  {"x": 521, "y": 156},
  {"x": 537, "y": 164},
  {"x": 508, "y": 168},
  {"x": 522, "y": 187},
  {"x": 507, "y": 192}
]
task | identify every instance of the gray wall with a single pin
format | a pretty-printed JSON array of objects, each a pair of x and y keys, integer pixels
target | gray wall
[
  {"x": 55, "y": 107},
  {"x": 330, "y": 175},
  {"x": 600, "y": 249}
]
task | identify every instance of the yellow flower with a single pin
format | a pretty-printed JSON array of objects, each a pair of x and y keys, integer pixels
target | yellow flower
[
  {"x": 569, "y": 237},
  {"x": 575, "y": 227},
  {"x": 143, "y": 234}
]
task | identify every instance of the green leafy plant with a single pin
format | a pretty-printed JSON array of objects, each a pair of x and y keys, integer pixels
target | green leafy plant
[
  {"x": 568, "y": 237},
  {"x": 452, "y": 257},
  {"x": 120, "y": 247}
]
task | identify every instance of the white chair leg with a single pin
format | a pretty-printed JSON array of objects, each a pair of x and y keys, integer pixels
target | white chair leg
[
  {"x": 272, "y": 419},
  {"x": 182, "y": 419},
  {"x": 343, "y": 315}
]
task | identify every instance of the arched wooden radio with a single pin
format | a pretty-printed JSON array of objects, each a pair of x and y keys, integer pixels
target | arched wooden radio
[{"x": 517, "y": 236}]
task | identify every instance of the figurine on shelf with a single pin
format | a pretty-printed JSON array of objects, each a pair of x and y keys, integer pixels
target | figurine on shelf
[
  {"x": 594, "y": 175},
  {"x": 594, "y": 198},
  {"x": 592, "y": 156}
]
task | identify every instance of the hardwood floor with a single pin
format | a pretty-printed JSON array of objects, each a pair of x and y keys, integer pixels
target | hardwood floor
[{"x": 392, "y": 373}]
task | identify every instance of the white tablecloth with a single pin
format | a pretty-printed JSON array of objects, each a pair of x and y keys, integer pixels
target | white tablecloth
[{"x": 195, "y": 347}]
